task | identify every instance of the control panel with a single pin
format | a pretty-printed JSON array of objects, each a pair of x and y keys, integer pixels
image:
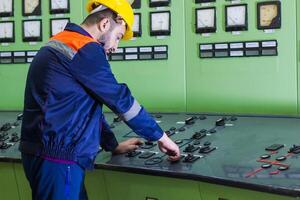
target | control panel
[{"x": 253, "y": 151}]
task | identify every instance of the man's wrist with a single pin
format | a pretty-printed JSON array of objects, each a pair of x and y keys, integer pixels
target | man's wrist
[{"x": 163, "y": 137}]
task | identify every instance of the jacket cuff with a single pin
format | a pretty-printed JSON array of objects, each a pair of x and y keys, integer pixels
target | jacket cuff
[
  {"x": 145, "y": 126},
  {"x": 109, "y": 142}
]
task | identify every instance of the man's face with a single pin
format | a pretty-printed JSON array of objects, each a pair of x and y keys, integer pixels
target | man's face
[{"x": 111, "y": 39}]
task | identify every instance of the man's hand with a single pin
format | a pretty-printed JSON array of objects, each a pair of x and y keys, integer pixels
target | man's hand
[
  {"x": 128, "y": 145},
  {"x": 166, "y": 145}
]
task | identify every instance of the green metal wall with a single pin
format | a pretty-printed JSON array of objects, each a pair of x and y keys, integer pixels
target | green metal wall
[
  {"x": 13, "y": 76},
  {"x": 158, "y": 85},
  {"x": 184, "y": 82},
  {"x": 265, "y": 85}
]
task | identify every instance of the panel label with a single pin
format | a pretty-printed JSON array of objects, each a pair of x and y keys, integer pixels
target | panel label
[
  {"x": 31, "y": 53},
  {"x": 19, "y": 54},
  {"x": 236, "y": 45},
  {"x": 119, "y": 50},
  {"x": 252, "y": 44},
  {"x": 29, "y": 60},
  {"x": 5, "y": 54},
  {"x": 160, "y": 49},
  {"x": 269, "y": 44},
  {"x": 131, "y": 50},
  {"x": 236, "y": 53},
  {"x": 206, "y": 47},
  {"x": 131, "y": 57},
  {"x": 221, "y": 46},
  {"x": 146, "y": 49}
]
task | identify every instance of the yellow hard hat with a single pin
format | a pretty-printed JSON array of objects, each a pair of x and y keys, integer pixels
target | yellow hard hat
[{"x": 121, "y": 7}]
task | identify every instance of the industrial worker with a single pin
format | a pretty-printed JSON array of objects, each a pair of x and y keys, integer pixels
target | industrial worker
[{"x": 68, "y": 82}]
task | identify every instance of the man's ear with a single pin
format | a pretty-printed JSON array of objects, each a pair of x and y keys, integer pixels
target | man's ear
[{"x": 104, "y": 25}]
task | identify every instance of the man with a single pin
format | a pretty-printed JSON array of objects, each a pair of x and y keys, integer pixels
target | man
[{"x": 68, "y": 82}]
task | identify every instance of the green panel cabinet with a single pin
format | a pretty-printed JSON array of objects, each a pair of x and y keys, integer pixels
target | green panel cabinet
[
  {"x": 22, "y": 182},
  {"x": 8, "y": 184},
  {"x": 128, "y": 186},
  {"x": 218, "y": 192},
  {"x": 95, "y": 185}
]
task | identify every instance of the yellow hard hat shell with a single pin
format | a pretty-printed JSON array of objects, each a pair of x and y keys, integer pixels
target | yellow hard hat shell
[{"x": 121, "y": 7}]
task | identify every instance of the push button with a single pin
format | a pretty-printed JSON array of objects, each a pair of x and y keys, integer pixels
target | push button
[
  {"x": 190, "y": 158},
  {"x": 198, "y": 135},
  {"x": 265, "y": 156},
  {"x": 281, "y": 158},
  {"x": 190, "y": 148},
  {"x": 266, "y": 166}
]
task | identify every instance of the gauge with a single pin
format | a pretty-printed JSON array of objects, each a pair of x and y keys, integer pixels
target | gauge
[
  {"x": 137, "y": 26},
  {"x": 59, "y": 6},
  {"x": 160, "y": 23},
  {"x": 6, "y": 8},
  {"x": 32, "y": 7},
  {"x": 206, "y": 20},
  {"x": 32, "y": 30},
  {"x": 58, "y": 25},
  {"x": 159, "y": 3},
  {"x": 269, "y": 15},
  {"x": 236, "y": 17},
  {"x": 7, "y": 31}
]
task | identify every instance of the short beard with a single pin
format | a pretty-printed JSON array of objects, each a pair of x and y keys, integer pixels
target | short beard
[{"x": 103, "y": 38}]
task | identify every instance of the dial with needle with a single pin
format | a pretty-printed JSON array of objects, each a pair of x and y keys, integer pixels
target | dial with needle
[
  {"x": 161, "y": 22},
  {"x": 5, "y": 33},
  {"x": 28, "y": 32},
  {"x": 202, "y": 23},
  {"x": 232, "y": 20},
  {"x": 58, "y": 4}
]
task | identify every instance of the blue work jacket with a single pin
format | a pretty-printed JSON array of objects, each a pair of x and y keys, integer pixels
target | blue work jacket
[{"x": 67, "y": 84}]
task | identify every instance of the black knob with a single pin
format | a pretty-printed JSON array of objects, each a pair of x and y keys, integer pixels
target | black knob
[
  {"x": 20, "y": 116},
  {"x": 221, "y": 122},
  {"x": 190, "y": 120}
]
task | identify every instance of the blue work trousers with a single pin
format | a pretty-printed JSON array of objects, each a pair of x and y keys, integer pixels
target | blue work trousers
[{"x": 53, "y": 180}]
